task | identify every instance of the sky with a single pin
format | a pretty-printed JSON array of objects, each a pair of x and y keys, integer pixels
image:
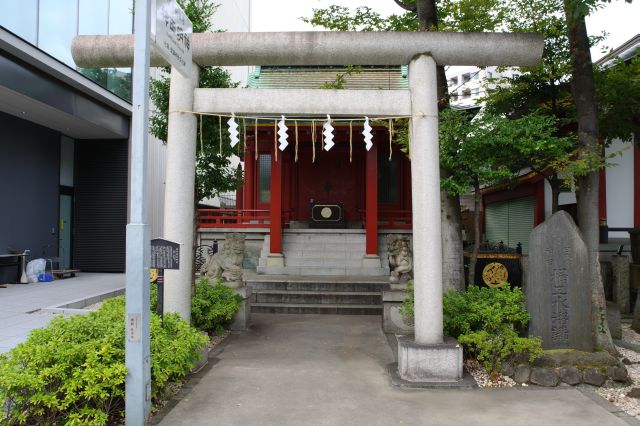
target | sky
[{"x": 619, "y": 19}]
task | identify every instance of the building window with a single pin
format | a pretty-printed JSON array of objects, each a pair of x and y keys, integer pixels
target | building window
[
  {"x": 21, "y": 18},
  {"x": 510, "y": 221},
  {"x": 466, "y": 78},
  {"x": 388, "y": 176},
  {"x": 466, "y": 93},
  {"x": 264, "y": 178},
  {"x": 57, "y": 26}
]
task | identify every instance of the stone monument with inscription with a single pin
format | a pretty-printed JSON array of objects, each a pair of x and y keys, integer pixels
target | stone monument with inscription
[{"x": 558, "y": 292}]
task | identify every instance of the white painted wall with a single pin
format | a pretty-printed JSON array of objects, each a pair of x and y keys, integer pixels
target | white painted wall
[
  {"x": 156, "y": 172},
  {"x": 620, "y": 190},
  {"x": 563, "y": 198},
  {"x": 234, "y": 16},
  {"x": 620, "y": 194}
]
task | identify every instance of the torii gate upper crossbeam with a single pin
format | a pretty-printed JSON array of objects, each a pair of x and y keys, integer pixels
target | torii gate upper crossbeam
[{"x": 325, "y": 48}]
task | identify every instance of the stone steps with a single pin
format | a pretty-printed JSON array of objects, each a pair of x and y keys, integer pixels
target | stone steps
[
  {"x": 326, "y": 285},
  {"x": 322, "y": 253},
  {"x": 317, "y": 296},
  {"x": 313, "y": 308}
]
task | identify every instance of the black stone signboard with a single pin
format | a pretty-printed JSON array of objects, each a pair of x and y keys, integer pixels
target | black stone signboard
[
  {"x": 165, "y": 254},
  {"x": 558, "y": 291}
]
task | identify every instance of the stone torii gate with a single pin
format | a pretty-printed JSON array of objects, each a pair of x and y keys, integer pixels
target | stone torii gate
[{"x": 429, "y": 357}]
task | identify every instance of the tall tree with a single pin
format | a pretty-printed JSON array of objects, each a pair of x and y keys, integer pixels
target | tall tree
[
  {"x": 584, "y": 95},
  {"x": 493, "y": 149}
]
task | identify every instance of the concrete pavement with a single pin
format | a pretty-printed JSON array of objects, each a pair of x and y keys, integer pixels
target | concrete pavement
[
  {"x": 20, "y": 303},
  {"x": 331, "y": 370}
]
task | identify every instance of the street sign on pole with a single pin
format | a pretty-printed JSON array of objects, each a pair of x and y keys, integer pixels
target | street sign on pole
[
  {"x": 171, "y": 33},
  {"x": 137, "y": 341}
]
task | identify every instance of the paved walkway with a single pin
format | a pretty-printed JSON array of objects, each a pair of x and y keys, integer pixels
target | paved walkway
[
  {"x": 19, "y": 303},
  {"x": 331, "y": 370}
]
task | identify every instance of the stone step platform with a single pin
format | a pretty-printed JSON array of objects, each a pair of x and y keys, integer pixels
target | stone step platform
[
  {"x": 315, "y": 308},
  {"x": 316, "y": 294},
  {"x": 323, "y": 252},
  {"x": 339, "y": 270},
  {"x": 317, "y": 297}
]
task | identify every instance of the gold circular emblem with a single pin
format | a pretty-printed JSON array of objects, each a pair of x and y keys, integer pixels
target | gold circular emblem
[
  {"x": 153, "y": 275},
  {"x": 325, "y": 212},
  {"x": 495, "y": 275}
]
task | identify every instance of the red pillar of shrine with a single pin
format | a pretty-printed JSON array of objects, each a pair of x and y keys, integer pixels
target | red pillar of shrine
[
  {"x": 276, "y": 204},
  {"x": 249, "y": 178},
  {"x": 371, "y": 200}
]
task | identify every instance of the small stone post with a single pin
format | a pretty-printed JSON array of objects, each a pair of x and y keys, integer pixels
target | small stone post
[
  {"x": 179, "y": 197},
  {"x": 621, "y": 268},
  {"x": 428, "y": 358}
]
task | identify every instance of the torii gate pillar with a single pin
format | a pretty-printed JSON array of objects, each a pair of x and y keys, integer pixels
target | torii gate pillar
[
  {"x": 179, "y": 204},
  {"x": 428, "y": 357}
]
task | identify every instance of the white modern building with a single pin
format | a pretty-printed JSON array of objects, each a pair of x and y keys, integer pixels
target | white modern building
[{"x": 467, "y": 85}]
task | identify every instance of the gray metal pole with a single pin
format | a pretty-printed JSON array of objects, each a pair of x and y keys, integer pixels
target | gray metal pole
[{"x": 138, "y": 358}]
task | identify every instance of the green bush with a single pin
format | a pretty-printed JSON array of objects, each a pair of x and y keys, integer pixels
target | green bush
[
  {"x": 488, "y": 322},
  {"x": 213, "y": 306},
  {"x": 72, "y": 372}
]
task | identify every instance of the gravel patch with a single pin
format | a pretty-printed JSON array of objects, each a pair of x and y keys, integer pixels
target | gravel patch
[
  {"x": 616, "y": 393},
  {"x": 483, "y": 379}
]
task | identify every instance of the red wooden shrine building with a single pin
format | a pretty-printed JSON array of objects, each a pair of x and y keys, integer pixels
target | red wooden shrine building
[{"x": 308, "y": 187}]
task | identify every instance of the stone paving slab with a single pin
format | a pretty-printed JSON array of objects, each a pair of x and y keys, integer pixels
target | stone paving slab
[
  {"x": 331, "y": 370},
  {"x": 20, "y": 303}
]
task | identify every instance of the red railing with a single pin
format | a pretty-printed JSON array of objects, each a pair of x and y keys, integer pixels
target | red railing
[
  {"x": 392, "y": 219},
  {"x": 228, "y": 218},
  {"x": 232, "y": 218}
]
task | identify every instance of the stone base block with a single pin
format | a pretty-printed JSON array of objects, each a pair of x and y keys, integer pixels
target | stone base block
[
  {"x": 275, "y": 260},
  {"x": 242, "y": 318},
  {"x": 371, "y": 261},
  {"x": 429, "y": 363},
  {"x": 392, "y": 320}
]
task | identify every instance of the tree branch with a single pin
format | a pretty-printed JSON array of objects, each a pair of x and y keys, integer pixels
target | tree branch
[{"x": 408, "y": 7}]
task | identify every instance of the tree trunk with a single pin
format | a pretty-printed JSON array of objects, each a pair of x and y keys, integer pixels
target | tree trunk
[
  {"x": 587, "y": 195},
  {"x": 452, "y": 249},
  {"x": 452, "y": 254},
  {"x": 476, "y": 230}
]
